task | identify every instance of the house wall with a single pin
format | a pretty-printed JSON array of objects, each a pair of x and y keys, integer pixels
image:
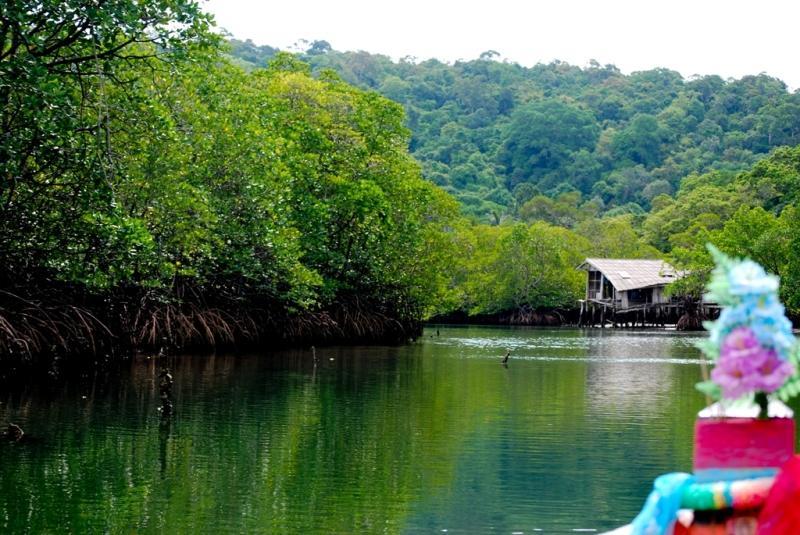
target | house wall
[
  {"x": 594, "y": 284},
  {"x": 654, "y": 295},
  {"x": 658, "y": 295}
]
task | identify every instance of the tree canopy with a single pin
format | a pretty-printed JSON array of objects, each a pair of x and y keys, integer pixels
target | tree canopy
[
  {"x": 139, "y": 162},
  {"x": 146, "y": 163},
  {"x": 482, "y": 128}
]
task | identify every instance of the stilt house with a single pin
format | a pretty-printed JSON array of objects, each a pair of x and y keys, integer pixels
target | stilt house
[{"x": 624, "y": 285}]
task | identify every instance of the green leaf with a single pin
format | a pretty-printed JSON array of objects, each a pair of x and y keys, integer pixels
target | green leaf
[{"x": 710, "y": 388}]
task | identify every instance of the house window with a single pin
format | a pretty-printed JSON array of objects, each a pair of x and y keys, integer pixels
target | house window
[
  {"x": 641, "y": 295},
  {"x": 595, "y": 280},
  {"x": 608, "y": 290}
]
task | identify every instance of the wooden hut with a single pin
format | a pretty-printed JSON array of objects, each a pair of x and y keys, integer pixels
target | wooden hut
[{"x": 627, "y": 291}]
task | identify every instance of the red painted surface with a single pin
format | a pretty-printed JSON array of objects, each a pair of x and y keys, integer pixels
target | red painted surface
[
  {"x": 743, "y": 442},
  {"x": 781, "y": 513}
]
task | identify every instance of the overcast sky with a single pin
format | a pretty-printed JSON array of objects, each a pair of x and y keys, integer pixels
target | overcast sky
[{"x": 731, "y": 38}]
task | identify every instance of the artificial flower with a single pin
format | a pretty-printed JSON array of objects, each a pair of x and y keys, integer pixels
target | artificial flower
[
  {"x": 752, "y": 339},
  {"x": 748, "y": 278}
]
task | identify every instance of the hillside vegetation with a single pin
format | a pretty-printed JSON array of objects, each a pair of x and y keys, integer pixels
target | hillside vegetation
[{"x": 506, "y": 140}]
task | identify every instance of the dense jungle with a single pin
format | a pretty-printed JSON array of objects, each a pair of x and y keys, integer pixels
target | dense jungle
[{"x": 164, "y": 186}]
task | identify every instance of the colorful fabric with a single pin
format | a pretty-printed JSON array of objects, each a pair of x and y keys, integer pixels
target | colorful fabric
[
  {"x": 740, "y": 495},
  {"x": 661, "y": 508},
  {"x": 672, "y": 492}
]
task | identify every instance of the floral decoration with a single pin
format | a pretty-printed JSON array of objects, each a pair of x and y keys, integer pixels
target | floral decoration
[{"x": 751, "y": 343}]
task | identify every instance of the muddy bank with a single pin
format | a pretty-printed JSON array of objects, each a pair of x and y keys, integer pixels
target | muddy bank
[
  {"x": 572, "y": 318},
  {"x": 545, "y": 317}
]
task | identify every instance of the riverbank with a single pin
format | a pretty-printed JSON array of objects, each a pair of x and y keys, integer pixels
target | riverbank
[
  {"x": 65, "y": 322},
  {"x": 540, "y": 317},
  {"x": 554, "y": 317}
]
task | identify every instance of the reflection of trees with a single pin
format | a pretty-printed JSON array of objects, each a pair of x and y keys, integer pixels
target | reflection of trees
[
  {"x": 250, "y": 447},
  {"x": 414, "y": 438},
  {"x": 646, "y": 408}
]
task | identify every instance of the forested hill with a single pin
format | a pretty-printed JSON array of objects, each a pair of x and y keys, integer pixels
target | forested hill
[{"x": 507, "y": 140}]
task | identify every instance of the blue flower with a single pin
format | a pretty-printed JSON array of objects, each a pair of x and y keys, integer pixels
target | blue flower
[
  {"x": 749, "y": 297},
  {"x": 748, "y": 278},
  {"x": 734, "y": 316}
]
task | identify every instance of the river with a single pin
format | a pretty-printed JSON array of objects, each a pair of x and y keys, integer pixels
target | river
[{"x": 432, "y": 437}]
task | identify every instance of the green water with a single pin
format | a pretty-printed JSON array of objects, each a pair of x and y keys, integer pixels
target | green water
[{"x": 433, "y": 437}]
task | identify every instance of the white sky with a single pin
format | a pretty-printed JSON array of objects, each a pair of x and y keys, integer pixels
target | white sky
[{"x": 729, "y": 38}]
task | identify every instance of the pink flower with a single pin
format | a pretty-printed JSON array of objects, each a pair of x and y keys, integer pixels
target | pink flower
[
  {"x": 746, "y": 366},
  {"x": 772, "y": 373}
]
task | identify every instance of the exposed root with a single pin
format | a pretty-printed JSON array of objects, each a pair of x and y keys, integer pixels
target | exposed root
[
  {"x": 29, "y": 329},
  {"x": 191, "y": 324},
  {"x": 692, "y": 318},
  {"x": 689, "y": 322},
  {"x": 529, "y": 316}
]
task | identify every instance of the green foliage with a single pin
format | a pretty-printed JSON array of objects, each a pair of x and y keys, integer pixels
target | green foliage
[
  {"x": 688, "y": 218},
  {"x": 510, "y": 267},
  {"x": 535, "y": 268},
  {"x": 791, "y": 388},
  {"x": 791, "y": 275},
  {"x": 775, "y": 181},
  {"x": 756, "y": 234},
  {"x": 616, "y": 237},
  {"x": 640, "y": 141},
  {"x": 753, "y": 214},
  {"x": 59, "y": 64},
  {"x": 138, "y": 156},
  {"x": 540, "y": 139},
  {"x": 484, "y": 125}
]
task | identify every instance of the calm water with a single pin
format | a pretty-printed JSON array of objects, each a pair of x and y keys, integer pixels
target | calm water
[{"x": 433, "y": 437}]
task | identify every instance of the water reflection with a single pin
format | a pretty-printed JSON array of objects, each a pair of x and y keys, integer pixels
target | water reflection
[
  {"x": 634, "y": 371},
  {"x": 431, "y": 436}
]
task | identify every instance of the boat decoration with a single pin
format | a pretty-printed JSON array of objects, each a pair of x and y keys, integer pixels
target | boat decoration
[{"x": 744, "y": 441}]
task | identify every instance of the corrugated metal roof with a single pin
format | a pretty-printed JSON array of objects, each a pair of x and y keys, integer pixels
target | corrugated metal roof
[{"x": 626, "y": 274}]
